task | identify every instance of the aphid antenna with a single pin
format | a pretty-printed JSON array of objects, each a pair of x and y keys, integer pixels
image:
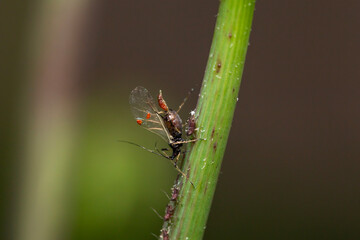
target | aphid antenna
[
  {"x": 185, "y": 99},
  {"x": 149, "y": 150},
  {"x": 159, "y": 154},
  {"x": 157, "y": 214},
  {"x": 161, "y": 151}
]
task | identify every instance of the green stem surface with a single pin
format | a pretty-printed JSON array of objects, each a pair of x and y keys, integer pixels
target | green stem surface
[{"x": 215, "y": 110}]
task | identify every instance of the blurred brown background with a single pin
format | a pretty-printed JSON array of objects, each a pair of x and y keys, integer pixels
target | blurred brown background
[{"x": 291, "y": 168}]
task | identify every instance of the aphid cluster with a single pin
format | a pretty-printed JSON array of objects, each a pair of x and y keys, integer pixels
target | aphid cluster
[
  {"x": 165, "y": 123},
  {"x": 169, "y": 211}
]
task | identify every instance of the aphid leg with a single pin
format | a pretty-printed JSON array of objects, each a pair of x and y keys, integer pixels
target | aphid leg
[
  {"x": 175, "y": 163},
  {"x": 176, "y": 160},
  {"x": 162, "y": 150},
  {"x": 159, "y": 113},
  {"x": 157, "y": 213},
  {"x": 163, "y": 153},
  {"x": 166, "y": 194},
  {"x": 182, "y": 104},
  {"x": 182, "y": 173},
  {"x": 154, "y": 235},
  {"x": 189, "y": 141},
  {"x": 176, "y": 166},
  {"x": 149, "y": 150}
]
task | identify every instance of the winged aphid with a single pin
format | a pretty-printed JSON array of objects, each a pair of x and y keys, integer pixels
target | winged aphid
[{"x": 165, "y": 123}]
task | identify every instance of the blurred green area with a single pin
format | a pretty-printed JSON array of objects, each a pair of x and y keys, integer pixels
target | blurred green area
[
  {"x": 115, "y": 185},
  {"x": 291, "y": 168},
  {"x": 64, "y": 174}
]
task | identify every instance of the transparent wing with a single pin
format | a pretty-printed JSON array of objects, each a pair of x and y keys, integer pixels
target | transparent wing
[{"x": 146, "y": 114}]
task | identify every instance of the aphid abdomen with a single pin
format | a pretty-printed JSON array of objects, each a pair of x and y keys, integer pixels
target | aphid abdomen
[{"x": 173, "y": 123}]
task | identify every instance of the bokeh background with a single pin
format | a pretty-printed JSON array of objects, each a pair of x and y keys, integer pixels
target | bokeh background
[{"x": 291, "y": 168}]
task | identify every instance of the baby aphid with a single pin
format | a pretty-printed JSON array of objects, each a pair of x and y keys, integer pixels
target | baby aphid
[
  {"x": 169, "y": 212},
  {"x": 164, "y": 234},
  {"x": 191, "y": 124}
]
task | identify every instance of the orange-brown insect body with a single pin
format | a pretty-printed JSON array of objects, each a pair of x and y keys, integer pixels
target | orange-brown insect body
[
  {"x": 162, "y": 102},
  {"x": 166, "y": 123}
]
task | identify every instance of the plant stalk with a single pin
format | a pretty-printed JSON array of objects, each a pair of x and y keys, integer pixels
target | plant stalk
[{"x": 215, "y": 110}]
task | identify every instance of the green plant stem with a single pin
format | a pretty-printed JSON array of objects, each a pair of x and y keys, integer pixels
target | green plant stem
[{"x": 215, "y": 110}]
